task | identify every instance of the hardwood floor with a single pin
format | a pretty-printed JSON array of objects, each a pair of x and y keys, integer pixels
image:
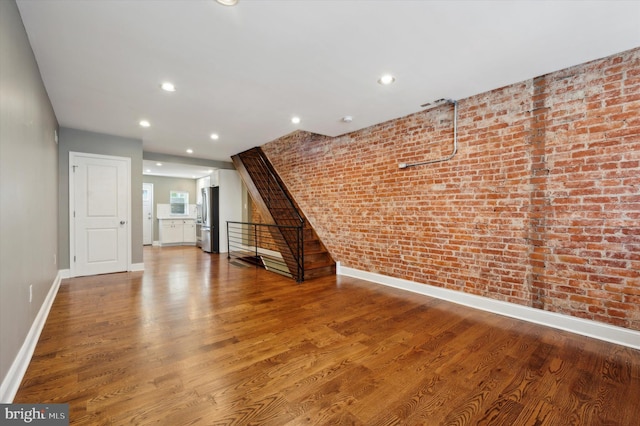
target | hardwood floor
[{"x": 198, "y": 340}]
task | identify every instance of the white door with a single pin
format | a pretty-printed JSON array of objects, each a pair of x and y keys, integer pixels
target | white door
[
  {"x": 147, "y": 213},
  {"x": 99, "y": 188}
]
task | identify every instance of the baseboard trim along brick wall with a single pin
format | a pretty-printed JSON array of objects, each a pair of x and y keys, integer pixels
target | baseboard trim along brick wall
[{"x": 596, "y": 330}]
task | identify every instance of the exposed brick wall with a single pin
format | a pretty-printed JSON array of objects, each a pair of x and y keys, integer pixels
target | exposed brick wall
[
  {"x": 539, "y": 207},
  {"x": 265, "y": 240},
  {"x": 593, "y": 191}
]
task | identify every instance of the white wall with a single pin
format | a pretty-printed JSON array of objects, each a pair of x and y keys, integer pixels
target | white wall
[{"x": 230, "y": 202}]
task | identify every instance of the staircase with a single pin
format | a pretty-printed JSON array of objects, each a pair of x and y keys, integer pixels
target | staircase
[{"x": 276, "y": 206}]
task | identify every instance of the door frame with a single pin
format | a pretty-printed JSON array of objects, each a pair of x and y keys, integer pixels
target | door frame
[
  {"x": 152, "y": 214},
  {"x": 72, "y": 199}
]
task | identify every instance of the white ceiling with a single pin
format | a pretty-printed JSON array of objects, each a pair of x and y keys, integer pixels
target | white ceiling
[
  {"x": 177, "y": 170},
  {"x": 244, "y": 71}
]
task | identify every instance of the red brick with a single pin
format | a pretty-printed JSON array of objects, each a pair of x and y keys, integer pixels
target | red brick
[{"x": 538, "y": 207}]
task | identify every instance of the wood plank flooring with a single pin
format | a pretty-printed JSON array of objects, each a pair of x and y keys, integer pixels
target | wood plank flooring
[{"x": 196, "y": 339}]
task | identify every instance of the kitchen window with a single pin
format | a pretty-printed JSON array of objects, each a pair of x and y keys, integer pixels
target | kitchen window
[{"x": 179, "y": 201}]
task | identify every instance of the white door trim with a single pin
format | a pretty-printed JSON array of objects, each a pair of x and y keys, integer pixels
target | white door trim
[
  {"x": 72, "y": 232},
  {"x": 152, "y": 213}
]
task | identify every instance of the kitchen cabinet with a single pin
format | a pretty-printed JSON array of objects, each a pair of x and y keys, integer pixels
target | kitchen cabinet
[
  {"x": 203, "y": 182},
  {"x": 177, "y": 231},
  {"x": 189, "y": 232}
]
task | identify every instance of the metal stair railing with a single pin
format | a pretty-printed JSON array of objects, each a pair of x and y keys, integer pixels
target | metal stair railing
[
  {"x": 249, "y": 242},
  {"x": 274, "y": 194},
  {"x": 280, "y": 205}
]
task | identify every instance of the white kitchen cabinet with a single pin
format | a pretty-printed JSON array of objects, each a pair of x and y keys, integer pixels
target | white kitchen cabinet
[
  {"x": 170, "y": 231},
  {"x": 177, "y": 231},
  {"x": 189, "y": 232},
  {"x": 203, "y": 182}
]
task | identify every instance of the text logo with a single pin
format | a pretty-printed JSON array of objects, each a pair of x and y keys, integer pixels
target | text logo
[{"x": 34, "y": 414}]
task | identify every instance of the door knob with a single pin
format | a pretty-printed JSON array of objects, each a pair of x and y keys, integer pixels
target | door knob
[{"x": 122, "y": 222}]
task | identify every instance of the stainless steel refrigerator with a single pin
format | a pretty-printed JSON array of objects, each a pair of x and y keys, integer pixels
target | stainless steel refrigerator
[{"x": 210, "y": 219}]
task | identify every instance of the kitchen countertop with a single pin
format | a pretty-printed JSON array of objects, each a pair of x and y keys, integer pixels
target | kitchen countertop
[{"x": 176, "y": 218}]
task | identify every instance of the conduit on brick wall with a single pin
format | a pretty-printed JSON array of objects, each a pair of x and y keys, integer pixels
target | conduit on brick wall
[{"x": 540, "y": 206}]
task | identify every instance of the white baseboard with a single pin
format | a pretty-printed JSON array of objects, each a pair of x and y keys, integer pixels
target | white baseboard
[
  {"x": 136, "y": 267},
  {"x": 18, "y": 368},
  {"x": 594, "y": 329}
]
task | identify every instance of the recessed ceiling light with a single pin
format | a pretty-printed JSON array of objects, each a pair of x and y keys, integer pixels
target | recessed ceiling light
[
  {"x": 386, "y": 79},
  {"x": 295, "y": 120},
  {"x": 148, "y": 170},
  {"x": 159, "y": 164},
  {"x": 214, "y": 136},
  {"x": 228, "y": 2},
  {"x": 168, "y": 87},
  {"x": 144, "y": 123},
  {"x": 189, "y": 151}
]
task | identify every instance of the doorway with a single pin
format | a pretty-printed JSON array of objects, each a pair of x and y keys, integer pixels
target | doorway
[
  {"x": 147, "y": 214},
  {"x": 99, "y": 213}
]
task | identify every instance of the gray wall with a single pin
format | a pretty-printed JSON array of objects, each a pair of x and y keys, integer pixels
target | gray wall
[
  {"x": 28, "y": 187},
  {"x": 73, "y": 140},
  {"x": 161, "y": 187}
]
